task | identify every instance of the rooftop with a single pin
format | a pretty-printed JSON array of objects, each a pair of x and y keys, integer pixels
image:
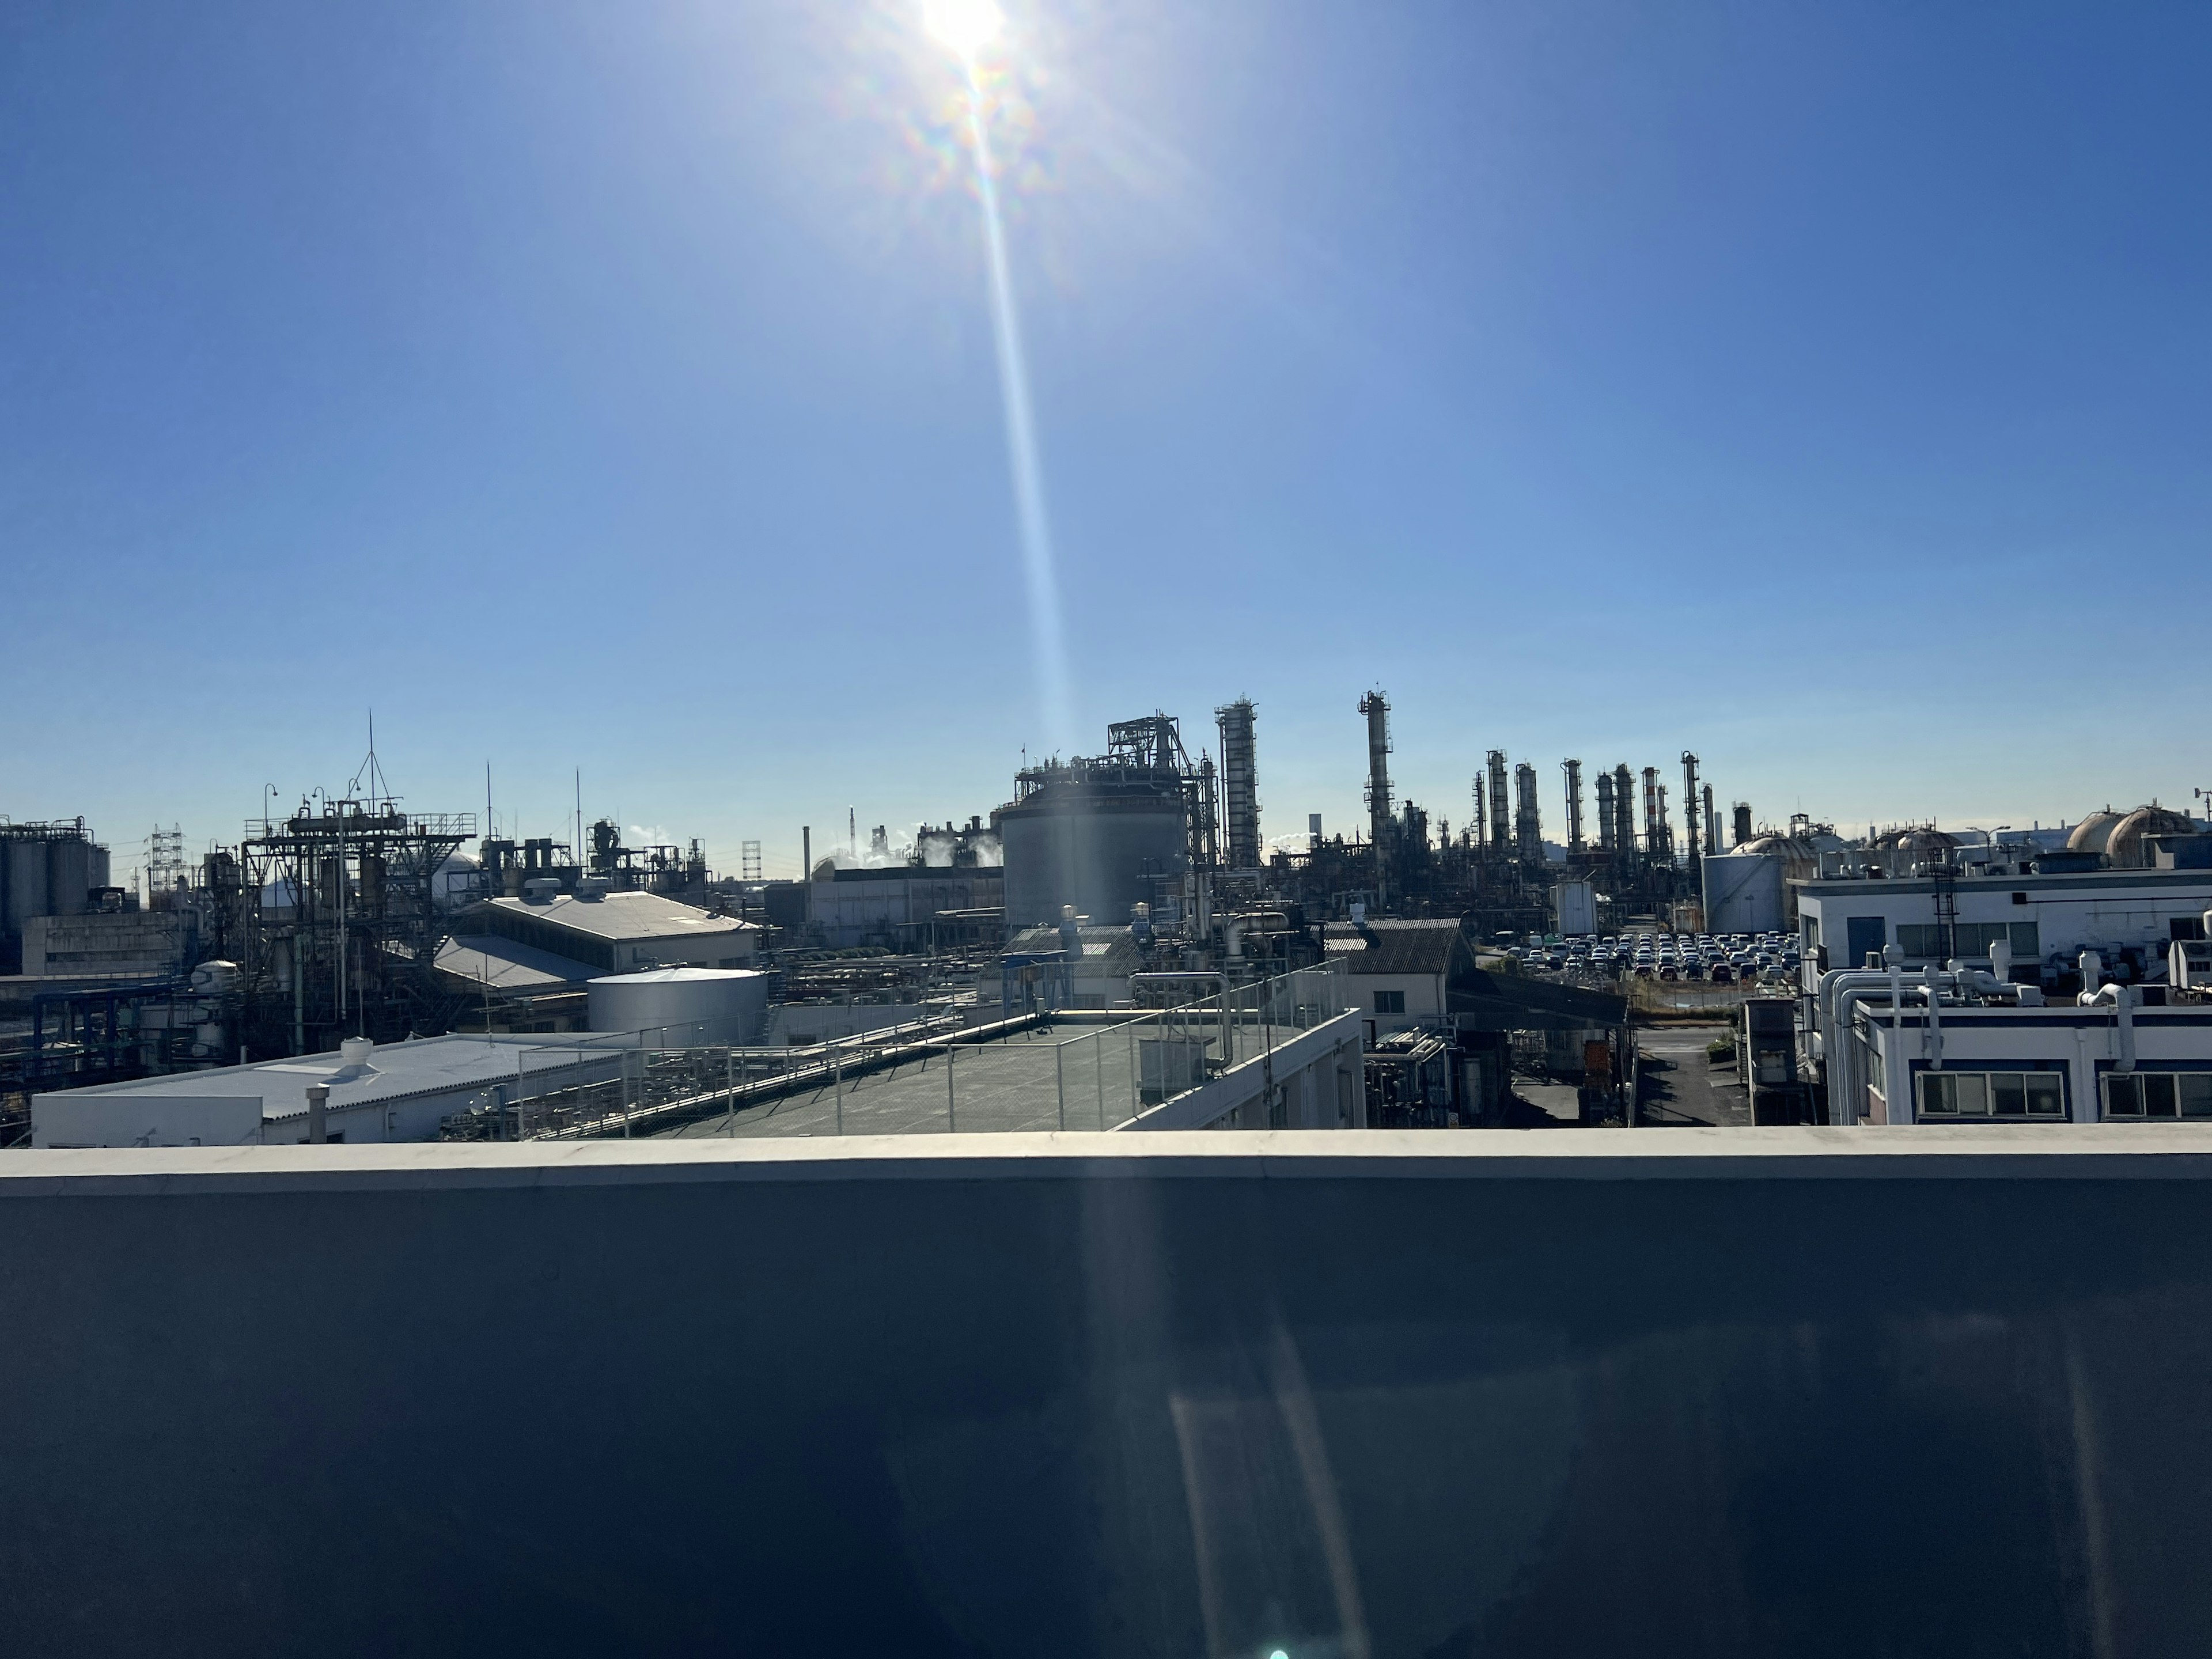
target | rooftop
[
  {"x": 1392, "y": 946},
  {"x": 394, "y": 1072},
  {"x": 623, "y": 915},
  {"x": 507, "y": 965}
]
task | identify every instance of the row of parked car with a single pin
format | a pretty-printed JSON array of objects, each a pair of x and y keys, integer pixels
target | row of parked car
[{"x": 1720, "y": 959}]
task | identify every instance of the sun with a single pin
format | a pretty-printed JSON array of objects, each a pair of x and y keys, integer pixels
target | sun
[{"x": 965, "y": 26}]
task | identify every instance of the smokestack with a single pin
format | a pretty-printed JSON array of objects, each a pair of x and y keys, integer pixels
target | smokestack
[
  {"x": 1605, "y": 840},
  {"x": 1573, "y": 768},
  {"x": 1376, "y": 708},
  {"x": 806, "y": 852}
]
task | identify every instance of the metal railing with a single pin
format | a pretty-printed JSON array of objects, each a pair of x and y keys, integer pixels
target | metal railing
[{"x": 929, "y": 1075}]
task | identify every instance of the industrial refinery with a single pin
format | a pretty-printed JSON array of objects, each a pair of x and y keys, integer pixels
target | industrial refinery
[{"x": 1538, "y": 965}]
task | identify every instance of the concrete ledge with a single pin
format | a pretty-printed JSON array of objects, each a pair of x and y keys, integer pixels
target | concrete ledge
[
  {"x": 2053, "y": 1153},
  {"x": 1677, "y": 1393}
]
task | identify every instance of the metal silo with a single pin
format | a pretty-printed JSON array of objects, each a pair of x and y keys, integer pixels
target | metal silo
[{"x": 1104, "y": 833}]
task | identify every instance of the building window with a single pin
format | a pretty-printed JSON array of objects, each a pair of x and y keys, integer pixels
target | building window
[
  {"x": 1992, "y": 1095},
  {"x": 2143, "y": 1095},
  {"x": 1970, "y": 938},
  {"x": 1389, "y": 1002}
]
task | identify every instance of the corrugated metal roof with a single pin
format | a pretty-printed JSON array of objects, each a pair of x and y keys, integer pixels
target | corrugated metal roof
[
  {"x": 1389, "y": 947},
  {"x": 625, "y": 916},
  {"x": 506, "y": 965}
]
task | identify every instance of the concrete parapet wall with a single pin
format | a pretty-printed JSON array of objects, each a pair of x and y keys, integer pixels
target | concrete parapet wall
[{"x": 1695, "y": 1393}]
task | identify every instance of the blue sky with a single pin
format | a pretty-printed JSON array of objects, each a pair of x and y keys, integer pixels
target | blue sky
[{"x": 1824, "y": 389}]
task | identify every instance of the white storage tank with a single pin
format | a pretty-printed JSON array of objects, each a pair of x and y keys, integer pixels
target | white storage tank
[
  {"x": 1745, "y": 891},
  {"x": 1574, "y": 905},
  {"x": 683, "y": 1007}
]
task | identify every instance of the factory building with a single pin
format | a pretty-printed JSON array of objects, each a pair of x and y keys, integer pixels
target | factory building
[
  {"x": 609, "y": 932},
  {"x": 110, "y": 944},
  {"x": 903, "y": 906},
  {"x": 362, "y": 1091}
]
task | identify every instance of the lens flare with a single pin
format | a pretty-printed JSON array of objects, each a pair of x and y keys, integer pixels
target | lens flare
[
  {"x": 1048, "y": 635},
  {"x": 965, "y": 26}
]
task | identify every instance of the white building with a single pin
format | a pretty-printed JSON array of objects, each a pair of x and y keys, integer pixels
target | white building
[
  {"x": 1988, "y": 1059},
  {"x": 2045, "y": 919},
  {"x": 395, "y": 1092},
  {"x": 1401, "y": 973}
]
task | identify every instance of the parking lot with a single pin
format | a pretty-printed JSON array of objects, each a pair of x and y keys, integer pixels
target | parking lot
[{"x": 1769, "y": 958}]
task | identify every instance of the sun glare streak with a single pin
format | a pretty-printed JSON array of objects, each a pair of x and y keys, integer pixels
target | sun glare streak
[
  {"x": 966, "y": 26},
  {"x": 1042, "y": 577}
]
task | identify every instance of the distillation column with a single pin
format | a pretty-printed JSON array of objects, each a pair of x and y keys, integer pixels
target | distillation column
[
  {"x": 1528, "y": 831},
  {"x": 1501, "y": 824},
  {"x": 1653, "y": 848},
  {"x": 1605, "y": 843},
  {"x": 1624, "y": 812},
  {"x": 1741, "y": 813},
  {"x": 1690, "y": 803},
  {"x": 1239, "y": 784},
  {"x": 1573, "y": 768}
]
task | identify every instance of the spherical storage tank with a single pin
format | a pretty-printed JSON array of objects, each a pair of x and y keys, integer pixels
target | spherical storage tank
[
  {"x": 1097, "y": 843},
  {"x": 2125, "y": 847},
  {"x": 2093, "y": 832},
  {"x": 683, "y": 1007}
]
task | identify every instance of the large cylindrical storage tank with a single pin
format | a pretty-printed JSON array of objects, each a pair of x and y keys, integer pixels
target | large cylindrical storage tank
[
  {"x": 683, "y": 1007},
  {"x": 1744, "y": 892},
  {"x": 1099, "y": 845}
]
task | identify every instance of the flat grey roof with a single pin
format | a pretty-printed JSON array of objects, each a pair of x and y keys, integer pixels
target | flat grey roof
[
  {"x": 2111, "y": 1151},
  {"x": 423, "y": 1066},
  {"x": 1010, "y": 1084},
  {"x": 626, "y": 915}
]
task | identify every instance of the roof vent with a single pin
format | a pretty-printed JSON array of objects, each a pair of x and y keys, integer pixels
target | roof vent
[
  {"x": 591, "y": 887},
  {"x": 540, "y": 891}
]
